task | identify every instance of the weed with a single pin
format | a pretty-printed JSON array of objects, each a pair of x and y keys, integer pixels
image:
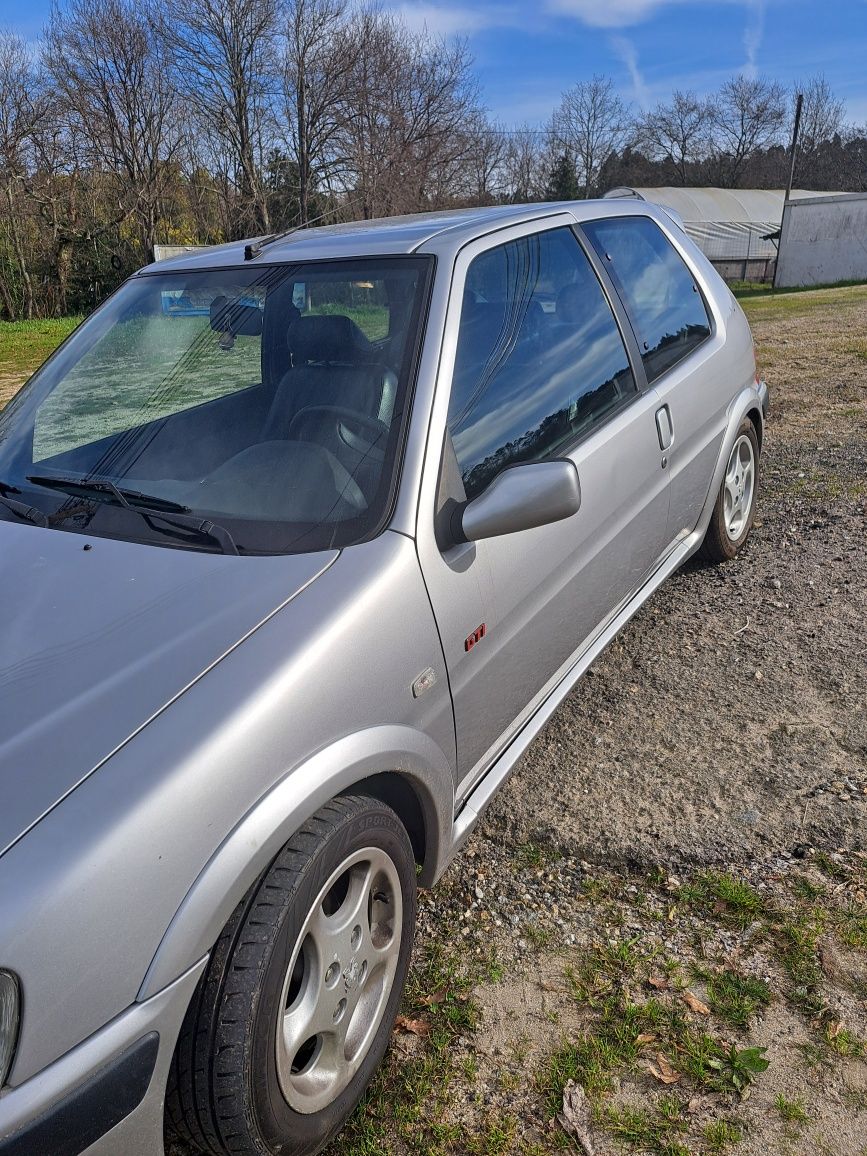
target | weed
[
  {"x": 652, "y": 1130},
  {"x": 538, "y": 936},
  {"x": 737, "y": 998},
  {"x": 792, "y": 1111},
  {"x": 533, "y": 856},
  {"x": 844, "y": 1043},
  {"x": 722, "y": 1134},
  {"x": 720, "y": 894},
  {"x": 852, "y": 926},
  {"x": 805, "y": 888},
  {"x": 738, "y": 1067},
  {"x": 797, "y": 947},
  {"x": 695, "y": 1052},
  {"x": 830, "y": 866},
  {"x": 812, "y": 1055}
]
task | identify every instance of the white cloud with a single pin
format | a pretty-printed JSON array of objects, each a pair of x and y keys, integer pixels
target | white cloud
[
  {"x": 753, "y": 33},
  {"x": 453, "y": 20},
  {"x": 622, "y": 13},
  {"x": 623, "y": 47},
  {"x": 608, "y": 13}
]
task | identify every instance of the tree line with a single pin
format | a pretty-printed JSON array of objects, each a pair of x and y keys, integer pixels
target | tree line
[{"x": 138, "y": 122}]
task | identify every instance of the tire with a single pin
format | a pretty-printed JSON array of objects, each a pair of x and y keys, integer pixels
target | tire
[
  {"x": 322, "y": 940},
  {"x": 735, "y": 506}
]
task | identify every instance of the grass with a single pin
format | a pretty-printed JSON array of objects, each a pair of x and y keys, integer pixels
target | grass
[
  {"x": 24, "y": 345},
  {"x": 735, "y": 998},
  {"x": 718, "y": 893},
  {"x": 766, "y": 290},
  {"x": 722, "y": 1134},
  {"x": 653, "y": 1129},
  {"x": 792, "y": 1111}
]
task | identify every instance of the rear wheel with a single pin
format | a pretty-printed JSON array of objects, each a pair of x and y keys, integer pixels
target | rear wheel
[
  {"x": 735, "y": 507},
  {"x": 296, "y": 1006}
]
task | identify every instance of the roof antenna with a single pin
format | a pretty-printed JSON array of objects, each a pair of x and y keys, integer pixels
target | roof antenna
[{"x": 254, "y": 248}]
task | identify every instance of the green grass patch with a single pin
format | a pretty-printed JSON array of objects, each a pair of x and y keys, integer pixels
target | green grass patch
[
  {"x": 736, "y": 998},
  {"x": 653, "y": 1130},
  {"x": 792, "y": 1111},
  {"x": 24, "y": 345},
  {"x": 721, "y": 895},
  {"x": 409, "y": 1094},
  {"x": 722, "y": 1134}
]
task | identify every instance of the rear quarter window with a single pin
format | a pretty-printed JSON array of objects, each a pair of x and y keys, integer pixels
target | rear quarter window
[{"x": 661, "y": 296}]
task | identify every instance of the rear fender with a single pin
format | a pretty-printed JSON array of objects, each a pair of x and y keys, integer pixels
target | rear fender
[{"x": 747, "y": 403}]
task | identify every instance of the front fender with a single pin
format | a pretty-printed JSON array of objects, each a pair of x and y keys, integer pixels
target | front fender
[{"x": 258, "y": 837}]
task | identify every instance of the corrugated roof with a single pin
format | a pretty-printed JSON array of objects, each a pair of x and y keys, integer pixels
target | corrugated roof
[{"x": 710, "y": 205}]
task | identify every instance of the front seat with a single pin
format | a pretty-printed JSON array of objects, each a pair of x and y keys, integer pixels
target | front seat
[{"x": 333, "y": 364}]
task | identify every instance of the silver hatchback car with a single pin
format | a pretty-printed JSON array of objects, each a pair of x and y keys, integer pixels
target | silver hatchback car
[{"x": 301, "y": 543}]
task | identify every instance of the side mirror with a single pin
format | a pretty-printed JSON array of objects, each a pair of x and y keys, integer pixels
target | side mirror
[{"x": 521, "y": 497}]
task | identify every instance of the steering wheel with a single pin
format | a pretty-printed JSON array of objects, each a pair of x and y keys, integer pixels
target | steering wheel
[{"x": 364, "y": 436}]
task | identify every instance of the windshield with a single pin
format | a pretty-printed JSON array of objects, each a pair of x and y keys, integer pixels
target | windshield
[{"x": 256, "y": 410}]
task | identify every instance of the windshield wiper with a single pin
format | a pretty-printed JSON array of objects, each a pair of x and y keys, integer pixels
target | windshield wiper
[
  {"x": 24, "y": 511},
  {"x": 149, "y": 506},
  {"x": 97, "y": 486}
]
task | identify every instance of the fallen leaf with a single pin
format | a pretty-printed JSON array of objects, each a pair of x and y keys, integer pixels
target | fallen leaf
[
  {"x": 434, "y": 998},
  {"x": 663, "y": 1071},
  {"x": 576, "y": 1115},
  {"x": 645, "y": 1038},
  {"x": 695, "y": 1004},
  {"x": 834, "y": 1029},
  {"x": 416, "y": 1027},
  {"x": 658, "y": 981}
]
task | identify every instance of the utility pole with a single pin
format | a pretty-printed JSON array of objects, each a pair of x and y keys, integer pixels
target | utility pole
[
  {"x": 796, "y": 128},
  {"x": 795, "y": 131}
]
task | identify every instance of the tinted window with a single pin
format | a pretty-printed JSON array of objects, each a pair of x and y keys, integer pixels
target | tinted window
[
  {"x": 663, "y": 300},
  {"x": 540, "y": 358}
]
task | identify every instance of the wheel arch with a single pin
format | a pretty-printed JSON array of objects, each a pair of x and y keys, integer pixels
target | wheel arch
[
  {"x": 397, "y": 765},
  {"x": 746, "y": 404}
]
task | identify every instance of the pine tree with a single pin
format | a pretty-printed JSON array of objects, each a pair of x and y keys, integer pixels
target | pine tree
[{"x": 562, "y": 180}]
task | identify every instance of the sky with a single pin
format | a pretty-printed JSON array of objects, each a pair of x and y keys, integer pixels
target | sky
[{"x": 528, "y": 51}]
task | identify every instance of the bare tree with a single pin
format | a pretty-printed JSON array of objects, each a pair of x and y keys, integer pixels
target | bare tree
[
  {"x": 523, "y": 167},
  {"x": 409, "y": 97},
  {"x": 23, "y": 106},
  {"x": 746, "y": 115},
  {"x": 224, "y": 68},
  {"x": 318, "y": 62},
  {"x": 109, "y": 70},
  {"x": 589, "y": 124},
  {"x": 485, "y": 154},
  {"x": 678, "y": 131},
  {"x": 821, "y": 117}
]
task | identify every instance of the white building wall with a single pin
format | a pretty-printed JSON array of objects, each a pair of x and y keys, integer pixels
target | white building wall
[{"x": 823, "y": 241}]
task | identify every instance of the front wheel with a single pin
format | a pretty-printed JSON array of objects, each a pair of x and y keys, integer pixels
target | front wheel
[
  {"x": 735, "y": 507},
  {"x": 295, "y": 1009}
]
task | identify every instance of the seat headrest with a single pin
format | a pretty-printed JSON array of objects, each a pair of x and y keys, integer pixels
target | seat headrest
[{"x": 327, "y": 339}]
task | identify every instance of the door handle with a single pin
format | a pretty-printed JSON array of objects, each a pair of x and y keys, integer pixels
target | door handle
[{"x": 664, "y": 428}]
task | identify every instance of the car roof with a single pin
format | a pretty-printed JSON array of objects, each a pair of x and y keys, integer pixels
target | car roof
[{"x": 389, "y": 236}]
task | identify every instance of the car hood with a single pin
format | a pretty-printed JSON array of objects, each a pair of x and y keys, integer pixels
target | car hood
[{"x": 97, "y": 636}]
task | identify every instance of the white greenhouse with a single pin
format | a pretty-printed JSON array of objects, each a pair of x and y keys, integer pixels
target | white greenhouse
[{"x": 738, "y": 229}]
